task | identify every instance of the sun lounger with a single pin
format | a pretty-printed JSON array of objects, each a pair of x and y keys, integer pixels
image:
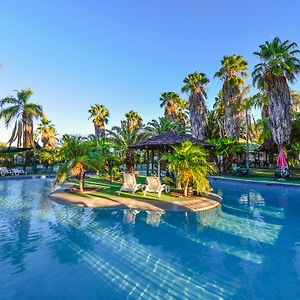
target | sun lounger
[
  {"x": 154, "y": 185},
  {"x": 18, "y": 171},
  {"x": 130, "y": 184},
  {"x": 5, "y": 171}
]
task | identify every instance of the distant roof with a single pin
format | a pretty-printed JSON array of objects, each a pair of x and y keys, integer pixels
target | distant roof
[{"x": 170, "y": 138}]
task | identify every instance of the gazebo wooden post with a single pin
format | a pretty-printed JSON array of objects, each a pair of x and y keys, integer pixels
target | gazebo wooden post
[
  {"x": 152, "y": 161},
  {"x": 158, "y": 163},
  {"x": 148, "y": 162}
]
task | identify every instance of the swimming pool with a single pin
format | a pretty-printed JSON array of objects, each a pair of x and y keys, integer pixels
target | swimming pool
[{"x": 247, "y": 249}]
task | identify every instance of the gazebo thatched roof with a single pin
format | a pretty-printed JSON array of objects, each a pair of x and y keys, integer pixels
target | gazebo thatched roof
[{"x": 167, "y": 139}]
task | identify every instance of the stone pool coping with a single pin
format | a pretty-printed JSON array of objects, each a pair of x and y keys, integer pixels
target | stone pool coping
[
  {"x": 252, "y": 181},
  {"x": 118, "y": 202}
]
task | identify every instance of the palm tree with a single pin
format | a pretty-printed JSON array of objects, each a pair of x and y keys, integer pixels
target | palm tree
[
  {"x": 134, "y": 120},
  {"x": 99, "y": 113},
  {"x": 195, "y": 85},
  {"x": 232, "y": 71},
  {"x": 22, "y": 112},
  {"x": 212, "y": 126},
  {"x": 260, "y": 100},
  {"x": 279, "y": 65},
  {"x": 122, "y": 137},
  {"x": 48, "y": 133},
  {"x": 189, "y": 161},
  {"x": 162, "y": 125},
  {"x": 78, "y": 155},
  {"x": 175, "y": 107}
]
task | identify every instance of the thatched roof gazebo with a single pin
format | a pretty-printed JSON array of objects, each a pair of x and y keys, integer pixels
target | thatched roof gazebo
[
  {"x": 163, "y": 142},
  {"x": 167, "y": 139}
]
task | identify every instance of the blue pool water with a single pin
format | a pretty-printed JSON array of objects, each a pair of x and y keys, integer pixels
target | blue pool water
[{"x": 247, "y": 249}]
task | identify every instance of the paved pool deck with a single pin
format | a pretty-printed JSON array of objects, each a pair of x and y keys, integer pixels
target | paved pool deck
[{"x": 283, "y": 183}]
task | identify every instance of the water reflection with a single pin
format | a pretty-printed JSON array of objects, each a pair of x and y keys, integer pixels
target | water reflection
[
  {"x": 154, "y": 218},
  {"x": 130, "y": 215},
  {"x": 234, "y": 251}
]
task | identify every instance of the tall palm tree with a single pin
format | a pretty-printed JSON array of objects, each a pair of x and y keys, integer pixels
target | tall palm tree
[
  {"x": 195, "y": 85},
  {"x": 232, "y": 72},
  {"x": 134, "y": 120},
  {"x": 47, "y": 131},
  {"x": 175, "y": 107},
  {"x": 162, "y": 125},
  {"x": 22, "y": 112},
  {"x": 279, "y": 66},
  {"x": 99, "y": 113}
]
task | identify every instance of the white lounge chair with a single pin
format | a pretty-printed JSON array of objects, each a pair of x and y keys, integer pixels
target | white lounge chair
[
  {"x": 130, "y": 184},
  {"x": 18, "y": 171},
  {"x": 4, "y": 171},
  {"x": 154, "y": 185}
]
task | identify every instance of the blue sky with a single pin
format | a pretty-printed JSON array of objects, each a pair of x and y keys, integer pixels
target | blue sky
[{"x": 123, "y": 54}]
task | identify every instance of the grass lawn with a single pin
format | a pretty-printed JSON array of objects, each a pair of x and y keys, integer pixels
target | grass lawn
[{"x": 112, "y": 190}]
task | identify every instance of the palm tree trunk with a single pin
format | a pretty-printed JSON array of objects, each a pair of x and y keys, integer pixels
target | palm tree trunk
[
  {"x": 197, "y": 115},
  {"x": 279, "y": 109},
  {"x": 81, "y": 182},
  {"x": 232, "y": 97}
]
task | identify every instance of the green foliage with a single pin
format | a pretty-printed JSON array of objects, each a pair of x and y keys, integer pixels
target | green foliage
[
  {"x": 162, "y": 125},
  {"x": 46, "y": 130},
  {"x": 22, "y": 112},
  {"x": 134, "y": 120},
  {"x": 195, "y": 83},
  {"x": 175, "y": 107},
  {"x": 79, "y": 155},
  {"x": 190, "y": 163},
  {"x": 233, "y": 69},
  {"x": 226, "y": 146},
  {"x": 277, "y": 58},
  {"x": 122, "y": 137},
  {"x": 99, "y": 113}
]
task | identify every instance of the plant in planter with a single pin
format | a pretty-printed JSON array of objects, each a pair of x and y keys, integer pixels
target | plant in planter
[{"x": 189, "y": 161}]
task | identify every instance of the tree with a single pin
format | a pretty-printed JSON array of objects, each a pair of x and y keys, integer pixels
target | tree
[
  {"x": 122, "y": 137},
  {"x": 99, "y": 113},
  {"x": 189, "y": 161},
  {"x": 226, "y": 148},
  {"x": 279, "y": 66},
  {"x": 295, "y": 103},
  {"x": 22, "y": 112},
  {"x": 134, "y": 120},
  {"x": 48, "y": 133},
  {"x": 212, "y": 125},
  {"x": 162, "y": 125},
  {"x": 78, "y": 155},
  {"x": 260, "y": 100},
  {"x": 175, "y": 107},
  {"x": 195, "y": 85},
  {"x": 232, "y": 72}
]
